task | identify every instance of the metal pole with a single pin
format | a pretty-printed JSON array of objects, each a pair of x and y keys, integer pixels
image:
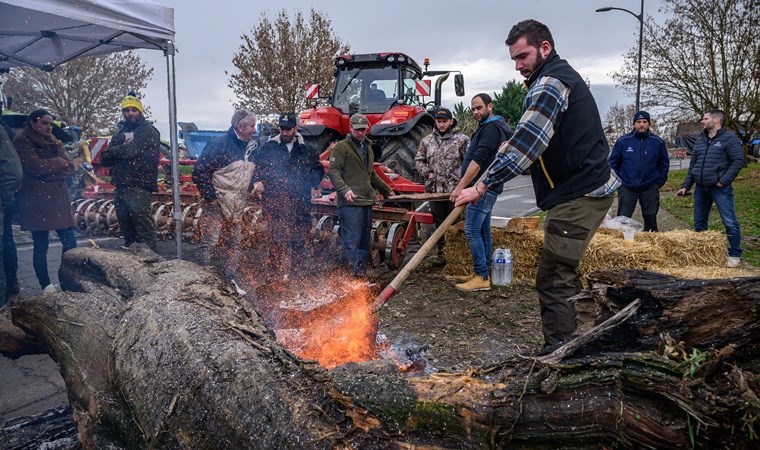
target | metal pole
[
  {"x": 169, "y": 51},
  {"x": 641, "y": 45},
  {"x": 640, "y": 18}
]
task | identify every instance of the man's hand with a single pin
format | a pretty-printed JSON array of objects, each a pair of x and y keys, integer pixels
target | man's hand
[
  {"x": 719, "y": 184},
  {"x": 681, "y": 192},
  {"x": 469, "y": 195},
  {"x": 455, "y": 194},
  {"x": 350, "y": 196},
  {"x": 431, "y": 175},
  {"x": 129, "y": 136},
  {"x": 258, "y": 187}
]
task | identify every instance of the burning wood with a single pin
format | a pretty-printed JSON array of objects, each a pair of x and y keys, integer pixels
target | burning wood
[{"x": 162, "y": 354}]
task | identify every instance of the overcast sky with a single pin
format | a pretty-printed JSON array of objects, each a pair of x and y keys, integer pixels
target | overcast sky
[{"x": 457, "y": 35}]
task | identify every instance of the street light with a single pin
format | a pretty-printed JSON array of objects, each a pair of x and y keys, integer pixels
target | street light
[{"x": 640, "y": 17}]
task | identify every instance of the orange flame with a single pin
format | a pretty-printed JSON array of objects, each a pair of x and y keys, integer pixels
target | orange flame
[{"x": 333, "y": 338}]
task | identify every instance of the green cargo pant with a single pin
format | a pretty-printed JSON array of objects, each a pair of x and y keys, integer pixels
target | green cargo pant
[
  {"x": 568, "y": 229},
  {"x": 134, "y": 214}
]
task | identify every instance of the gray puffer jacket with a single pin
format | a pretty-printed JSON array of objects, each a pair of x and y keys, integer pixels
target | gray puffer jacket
[{"x": 713, "y": 160}]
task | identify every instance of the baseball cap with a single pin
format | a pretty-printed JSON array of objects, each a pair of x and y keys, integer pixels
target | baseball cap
[
  {"x": 443, "y": 113},
  {"x": 287, "y": 120},
  {"x": 359, "y": 122}
]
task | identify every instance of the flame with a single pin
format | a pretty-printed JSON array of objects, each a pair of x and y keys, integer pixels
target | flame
[{"x": 333, "y": 339}]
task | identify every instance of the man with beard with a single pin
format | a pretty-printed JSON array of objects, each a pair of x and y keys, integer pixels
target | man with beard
[
  {"x": 286, "y": 170},
  {"x": 439, "y": 162},
  {"x": 491, "y": 132},
  {"x": 640, "y": 158},
  {"x": 560, "y": 138},
  {"x": 133, "y": 156}
]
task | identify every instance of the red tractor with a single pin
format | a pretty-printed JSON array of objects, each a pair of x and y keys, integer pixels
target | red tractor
[{"x": 388, "y": 88}]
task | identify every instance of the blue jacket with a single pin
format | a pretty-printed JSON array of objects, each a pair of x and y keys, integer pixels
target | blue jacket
[
  {"x": 218, "y": 154},
  {"x": 713, "y": 160},
  {"x": 484, "y": 145},
  {"x": 640, "y": 160}
]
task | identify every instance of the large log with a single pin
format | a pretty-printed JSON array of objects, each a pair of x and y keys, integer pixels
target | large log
[{"x": 162, "y": 354}]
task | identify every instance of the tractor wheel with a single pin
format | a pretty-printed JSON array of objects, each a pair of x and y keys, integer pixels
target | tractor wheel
[
  {"x": 320, "y": 142},
  {"x": 398, "y": 151}
]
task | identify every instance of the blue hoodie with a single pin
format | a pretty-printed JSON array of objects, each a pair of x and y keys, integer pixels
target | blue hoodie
[{"x": 640, "y": 160}]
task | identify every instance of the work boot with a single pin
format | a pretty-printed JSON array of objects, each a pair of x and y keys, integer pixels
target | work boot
[
  {"x": 476, "y": 283},
  {"x": 733, "y": 262}
]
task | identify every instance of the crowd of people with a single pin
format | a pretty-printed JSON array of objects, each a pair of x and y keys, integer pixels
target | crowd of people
[{"x": 559, "y": 140}]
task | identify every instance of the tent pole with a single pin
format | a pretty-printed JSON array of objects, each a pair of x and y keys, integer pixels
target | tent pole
[{"x": 169, "y": 51}]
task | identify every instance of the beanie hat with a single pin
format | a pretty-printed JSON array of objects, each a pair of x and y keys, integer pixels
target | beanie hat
[
  {"x": 641, "y": 115},
  {"x": 37, "y": 113},
  {"x": 131, "y": 101}
]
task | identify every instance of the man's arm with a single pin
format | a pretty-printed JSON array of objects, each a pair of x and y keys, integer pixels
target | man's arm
[
  {"x": 335, "y": 171},
  {"x": 664, "y": 166},
  {"x": 142, "y": 143},
  {"x": 203, "y": 172},
  {"x": 547, "y": 100},
  {"x": 10, "y": 169},
  {"x": 420, "y": 159},
  {"x": 735, "y": 157},
  {"x": 472, "y": 171}
]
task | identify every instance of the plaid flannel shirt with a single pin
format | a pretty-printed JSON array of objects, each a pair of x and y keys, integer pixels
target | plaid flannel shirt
[{"x": 545, "y": 103}]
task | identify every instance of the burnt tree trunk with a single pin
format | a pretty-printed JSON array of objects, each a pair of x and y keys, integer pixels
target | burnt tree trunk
[{"x": 161, "y": 354}]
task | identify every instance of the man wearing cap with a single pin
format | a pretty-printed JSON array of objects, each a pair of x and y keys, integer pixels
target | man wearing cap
[
  {"x": 640, "y": 159},
  {"x": 351, "y": 171},
  {"x": 439, "y": 162},
  {"x": 133, "y": 156},
  {"x": 224, "y": 177},
  {"x": 286, "y": 170}
]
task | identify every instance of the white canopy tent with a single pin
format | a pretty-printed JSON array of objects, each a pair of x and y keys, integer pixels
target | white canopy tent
[{"x": 47, "y": 33}]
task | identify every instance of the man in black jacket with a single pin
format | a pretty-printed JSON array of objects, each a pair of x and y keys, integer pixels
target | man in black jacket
[
  {"x": 133, "y": 155},
  {"x": 287, "y": 169},
  {"x": 492, "y": 131},
  {"x": 715, "y": 162}
]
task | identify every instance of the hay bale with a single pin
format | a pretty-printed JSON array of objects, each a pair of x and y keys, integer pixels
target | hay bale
[{"x": 695, "y": 255}]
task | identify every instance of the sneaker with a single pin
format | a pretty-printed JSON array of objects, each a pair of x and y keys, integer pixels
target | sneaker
[
  {"x": 733, "y": 261},
  {"x": 50, "y": 289},
  {"x": 239, "y": 290},
  {"x": 476, "y": 283}
]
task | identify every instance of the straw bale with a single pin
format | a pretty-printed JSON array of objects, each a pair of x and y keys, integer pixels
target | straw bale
[{"x": 695, "y": 255}]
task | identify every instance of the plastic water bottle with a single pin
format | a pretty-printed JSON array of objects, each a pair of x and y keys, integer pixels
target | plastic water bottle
[
  {"x": 508, "y": 266},
  {"x": 498, "y": 267}
]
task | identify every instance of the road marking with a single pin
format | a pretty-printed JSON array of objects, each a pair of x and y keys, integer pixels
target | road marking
[{"x": 509, "y": 197}]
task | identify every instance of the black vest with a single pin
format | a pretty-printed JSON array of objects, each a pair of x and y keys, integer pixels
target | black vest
[{"x": 575, "y": 162}]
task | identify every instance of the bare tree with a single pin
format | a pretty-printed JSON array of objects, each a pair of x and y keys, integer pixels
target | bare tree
[
  {"x": 85, "y": 91},
  {"x": 280, "y": 56},
  {"x": 702, "y": 57}
]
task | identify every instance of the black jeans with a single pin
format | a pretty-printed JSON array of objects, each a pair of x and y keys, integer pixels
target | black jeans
[
  {"x": 649, "y": 199},
  {"x": 39, "y": 256}
]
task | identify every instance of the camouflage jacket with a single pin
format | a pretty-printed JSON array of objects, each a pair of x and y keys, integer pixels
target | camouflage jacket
[{"x": 441, "y": 155}]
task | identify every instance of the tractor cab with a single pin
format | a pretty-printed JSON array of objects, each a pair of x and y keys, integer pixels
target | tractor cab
[{"x": 370, "y": 84}]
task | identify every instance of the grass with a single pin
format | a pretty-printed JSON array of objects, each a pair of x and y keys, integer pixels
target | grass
[{"x": 746, "y": 199}]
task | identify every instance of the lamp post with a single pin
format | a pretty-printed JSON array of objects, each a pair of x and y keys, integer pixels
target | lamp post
[{"x": 640, "y": 18}]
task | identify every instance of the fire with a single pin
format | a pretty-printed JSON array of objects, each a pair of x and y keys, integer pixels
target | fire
[{"x": 331, "y": 324}]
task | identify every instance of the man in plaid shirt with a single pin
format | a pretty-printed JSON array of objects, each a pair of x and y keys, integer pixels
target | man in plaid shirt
[{"x": 560, "y": 138}]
